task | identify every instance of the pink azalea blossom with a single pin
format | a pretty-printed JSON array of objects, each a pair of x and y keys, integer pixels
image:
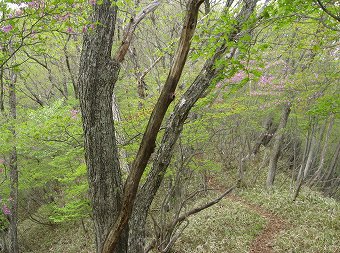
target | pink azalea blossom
[
  {"x": 33, "y": 4},
  {"x": 238, "y": 77},
  {"x": 69, "y": 30},
  {"x": 6, "y": 210},
  {"x": 265, "y": 80},
  {"x": 19, "y": 12},
  {"x": 74, "y": 113},
  {"x": 6, "y": 28},
  {"x": 64, "y": 17}
]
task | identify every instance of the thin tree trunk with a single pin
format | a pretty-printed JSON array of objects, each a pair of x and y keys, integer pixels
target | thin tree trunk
[
  {"x": 68, "y": 65},
  {"x": 318, "y": 172},
  {"x": 13, "y": 230},
  {"x": 206, "y": 6},
  {"x": 275, "y": 154},
  {"x": 334, "y": 164},
  {"x": 120, "y": 136},
  {"x": 2, "y": 107}
]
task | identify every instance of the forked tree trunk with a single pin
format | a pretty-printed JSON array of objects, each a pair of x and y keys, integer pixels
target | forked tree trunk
[
  {"x": 173, "y": 129},
  {"x": 275, "y": 154},
  {"x": 148, "y": 141}
]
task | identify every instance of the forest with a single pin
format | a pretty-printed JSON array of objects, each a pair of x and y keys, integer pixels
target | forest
[{"x": 170, "y": 126}]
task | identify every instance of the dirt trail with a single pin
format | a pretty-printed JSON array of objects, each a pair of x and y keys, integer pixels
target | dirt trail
[{"x": 263, "y": 243}]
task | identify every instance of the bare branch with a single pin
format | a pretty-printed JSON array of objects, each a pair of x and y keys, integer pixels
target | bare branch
[{"x": 130, "y": 29}]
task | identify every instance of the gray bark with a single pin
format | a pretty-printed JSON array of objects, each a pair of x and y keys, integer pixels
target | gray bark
[
  {"x": 2, "y": 107},
  {"x": 318, "y": 172},
  {"x": 120, "y": 136},
  {"x": 275, "y": 154},
  {"x": 98, "y": 74},
  {"x": 13, "y": 166}
]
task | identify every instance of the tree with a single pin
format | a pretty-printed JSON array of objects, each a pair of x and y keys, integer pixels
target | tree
[{"x": 112, "y": 206}]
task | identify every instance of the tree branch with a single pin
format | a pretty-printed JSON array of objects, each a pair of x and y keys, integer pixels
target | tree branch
[
  {"x": 327, "y": 11},
  {"x": 131, "y": 27}
]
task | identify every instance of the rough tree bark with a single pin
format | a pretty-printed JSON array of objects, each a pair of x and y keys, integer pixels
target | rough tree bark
[
  {"x": 275, "y": 154},
  {"x": 98, "y": 73}
]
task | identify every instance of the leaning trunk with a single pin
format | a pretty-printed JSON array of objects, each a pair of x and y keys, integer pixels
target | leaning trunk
[{"x": 275, "y": 154}]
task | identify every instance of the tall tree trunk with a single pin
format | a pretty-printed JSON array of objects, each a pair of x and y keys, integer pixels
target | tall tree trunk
[
  {"x": 13, "y": 229},
  {"x": 173, "y": 129},
  {"x": 2, "y": 107},
  {"x": 98, "y": 74},
  {"x": 275, "y": 154}
]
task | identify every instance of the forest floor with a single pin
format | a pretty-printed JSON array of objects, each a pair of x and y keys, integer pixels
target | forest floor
[
  {"x": 250, "y": 220},
  {"x": 263, "y": 242}
]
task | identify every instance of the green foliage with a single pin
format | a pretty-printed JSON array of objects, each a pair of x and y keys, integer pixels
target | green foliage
[{"x": 326, "y": 105}]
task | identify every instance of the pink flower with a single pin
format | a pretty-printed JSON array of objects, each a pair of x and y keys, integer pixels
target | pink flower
[
  {"x": 69, "y": 30},
  {"x": 6, "y": 210},
  {"x": 32, "y": 4},
  {"x": 19, "y": 12},
  {"x": 64, "y": 17},
  {"x": 74, "y": 113},
  {"x": 92, "y": 2},
  {"x": 6, "y": 28},
  {"x": 238, "y": 77},
  {"x": 264, "y": 80},
  {"x": 2, "y": 161}
]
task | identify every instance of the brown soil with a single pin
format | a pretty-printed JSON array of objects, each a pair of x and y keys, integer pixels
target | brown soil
[{"x": 263, "y": 243}]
